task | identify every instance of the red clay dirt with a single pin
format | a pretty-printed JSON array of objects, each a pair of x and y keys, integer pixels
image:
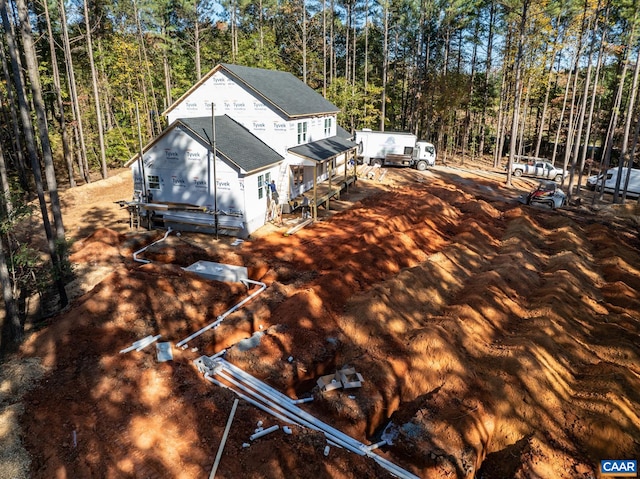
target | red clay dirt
[{"x": 494, "y": 339}]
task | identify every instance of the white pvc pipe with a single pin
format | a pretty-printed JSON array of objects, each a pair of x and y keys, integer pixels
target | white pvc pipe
[
  {"x": 250, "y": 401},
  {"x": 352, "y": 445},
  {"x": 264, "y": 432},
  {"x": 280, "y": 401},
  {"x": 220, "y": 318},
  {"x": 225, "y": 314},
  {"x": 147, "y": 343},
  {"x": 145, "y": 261},
  {"x": 283, "y": 400},
  {"x": 258, "y": 283},
  {"x": 141, "y": 343},
  {"x": 377, "y": 445},
  {"x": 224, "y": 440},
  {"x": 297, "y": 414}
]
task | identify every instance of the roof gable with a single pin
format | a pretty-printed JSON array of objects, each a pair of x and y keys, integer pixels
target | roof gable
[
  {"x": 234, "y": 142},
  {"x": 286, "y": 93}
]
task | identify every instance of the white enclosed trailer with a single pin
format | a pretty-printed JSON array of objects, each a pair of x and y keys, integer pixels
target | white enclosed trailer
[
  {"x": 608, "y": 181},
  {"x": 394, "y": 148}
]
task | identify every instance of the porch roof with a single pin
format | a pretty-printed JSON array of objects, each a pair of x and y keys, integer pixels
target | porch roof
[{"x": 323, "y": 150}]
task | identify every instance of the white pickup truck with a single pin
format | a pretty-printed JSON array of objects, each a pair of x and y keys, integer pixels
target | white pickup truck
[{"x": 539, "y": 169}]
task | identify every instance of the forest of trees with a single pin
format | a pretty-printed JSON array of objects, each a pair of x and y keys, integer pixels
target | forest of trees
[{"x": 85, "y": 84}]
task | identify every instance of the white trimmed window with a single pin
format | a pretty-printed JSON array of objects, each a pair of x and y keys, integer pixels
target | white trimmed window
[
  {"x": 302, "y": 132},
  {"x": 153, "y": 182},
  {"x": 261, "y": 187},
  {"x": 327, "y": 127}
]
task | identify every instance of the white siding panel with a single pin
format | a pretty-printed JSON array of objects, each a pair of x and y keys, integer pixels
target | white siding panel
[{"x": 261, "y": 119}]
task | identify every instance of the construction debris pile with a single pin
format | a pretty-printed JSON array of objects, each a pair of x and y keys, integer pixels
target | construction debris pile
[{"x": 435, "y": 329}]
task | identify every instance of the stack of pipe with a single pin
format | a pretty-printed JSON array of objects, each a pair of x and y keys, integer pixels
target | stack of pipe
[{"x": 283, "y": 408}]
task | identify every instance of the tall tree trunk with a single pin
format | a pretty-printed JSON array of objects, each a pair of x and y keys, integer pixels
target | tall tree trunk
[
  {"x": 632, "y": 99},
  {"x": 502, "y": 111},
  {"x": 5, "y": 200},
  {"x": 497, "y": 153},
  {"x": 156, "y": 127},
  {"x": 66, "y": 144},
  {"x": 324, "y": 48},
  {"x": 17, "y": 136},
  {"x": 632, "y": 154},
  {"x": 366, "y": 53},
  {"x": 583, "y": 110},
  {"x": 261, "y": 26},
  {"x": 167, "y": 68},
  {"x": 304, "y": 42},
  {"x": 347, "y": 70},
  {"x": 353, "y": 54},
  {"x": 594, "y": 94},
  {"x": 41, "y": 117},
  {"x": 107, "y": 97},
  {"x": 616, "y": 110},
  {"x": 545, "y": 104},
  {"x": 385, "y": 63},
  {"x": 234, "y": 38},
  {"x": 613, "y": 122},
  {"x": 485, "y": 93},
  {"x": 625, "y": 158},
  {"x": 73, "y": 93},
  {"x": 561, "y": 121},
  {"x": 196, "y": 39},
  {"x": 12, "y": 331},
  {"x": 30, "y": 139},
  {"x": 571, "y": 127},
  {"x": 524, "y": 119},
  {"x": 467, "y": 113},
  {"x": 332, "y": 39},
  {"x": 517, "y": 91},
  {"x": 96, "y": 95}
]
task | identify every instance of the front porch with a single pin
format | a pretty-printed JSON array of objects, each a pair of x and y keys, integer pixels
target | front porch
[
  {"x": 330, "y": 169},
  {"x": 323, "y": 192}
]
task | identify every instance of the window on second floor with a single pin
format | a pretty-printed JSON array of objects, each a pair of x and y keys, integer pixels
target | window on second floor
[
  {"x": 327, "y": 127},
  {"x": 302, "y": 132}
]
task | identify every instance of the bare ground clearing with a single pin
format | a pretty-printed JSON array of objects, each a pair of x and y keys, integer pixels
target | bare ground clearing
[{"x": 498, "y": 340}]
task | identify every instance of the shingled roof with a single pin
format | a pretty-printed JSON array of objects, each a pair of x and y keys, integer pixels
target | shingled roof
[
  {"x": 233, "y": 142},
  {"x": 283, "y": 91},
  {"x": 324, "y": 149}
]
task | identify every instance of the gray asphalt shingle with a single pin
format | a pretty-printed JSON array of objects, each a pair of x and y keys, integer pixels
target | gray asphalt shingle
[
  {"x": 323, "y": 150},
  {"x": 287, "y": 93},
  {"x": 234, "y": 142}
]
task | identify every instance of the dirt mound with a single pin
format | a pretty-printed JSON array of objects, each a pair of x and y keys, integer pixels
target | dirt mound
[
  {"x": 102, "y": 246},
  {"x": 494, "y": 340}
]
